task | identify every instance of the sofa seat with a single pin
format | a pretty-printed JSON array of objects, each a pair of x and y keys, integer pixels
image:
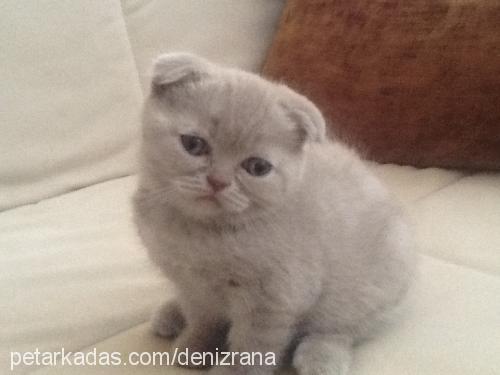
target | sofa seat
[{"x": 75, "y": 276}]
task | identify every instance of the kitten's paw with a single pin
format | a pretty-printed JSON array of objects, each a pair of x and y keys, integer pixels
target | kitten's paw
[
  {"x": 208, "y": 339},
  {"x": 191, "y": 343},
  {"x": 168, "y": 320},
  {"x": 323, "y": 355}
]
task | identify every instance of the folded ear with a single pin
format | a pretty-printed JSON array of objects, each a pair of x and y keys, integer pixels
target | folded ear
[
  {"x": 307, "y": 118},
  {"x": 174, "y": 69}
]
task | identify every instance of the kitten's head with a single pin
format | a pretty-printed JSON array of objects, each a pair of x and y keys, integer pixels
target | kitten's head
[{"x": 222, "y": 143}]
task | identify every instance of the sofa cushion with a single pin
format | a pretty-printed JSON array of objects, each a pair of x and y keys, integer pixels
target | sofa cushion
[
  {"x": 73, "y": 272},
  {"x": 70, "y": 98},
  {"x": 236, "y": 33},
  {"x": 448, "y": 329},
  {"x": 461, "y": 222},
  {"x": 409, "y": 184}
]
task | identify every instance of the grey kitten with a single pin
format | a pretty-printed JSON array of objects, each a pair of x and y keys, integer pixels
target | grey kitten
[{"x": 272, "y": 233}]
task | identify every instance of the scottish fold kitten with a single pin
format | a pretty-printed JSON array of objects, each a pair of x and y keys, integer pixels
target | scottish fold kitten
[{"x": 275, "y": 236}]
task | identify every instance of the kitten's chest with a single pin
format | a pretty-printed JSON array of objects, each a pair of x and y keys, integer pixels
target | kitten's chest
[{"x": 212, "y": 257}]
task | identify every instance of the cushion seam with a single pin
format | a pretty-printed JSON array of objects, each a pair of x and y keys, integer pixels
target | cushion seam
[
  {"x": 427, "y": 195},
  {"x": 458, "y": 264},
  {"x": 131, "y": 49}
]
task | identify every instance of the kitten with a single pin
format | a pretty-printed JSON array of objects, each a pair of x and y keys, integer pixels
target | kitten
[{"x": 272, "y": 233}]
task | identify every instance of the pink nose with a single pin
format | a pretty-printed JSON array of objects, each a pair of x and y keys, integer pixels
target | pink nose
[{"x": 216, "y": 183}]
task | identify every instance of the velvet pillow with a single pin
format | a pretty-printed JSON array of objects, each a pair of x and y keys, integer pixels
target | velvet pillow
[{"x": 409, "y": 82}]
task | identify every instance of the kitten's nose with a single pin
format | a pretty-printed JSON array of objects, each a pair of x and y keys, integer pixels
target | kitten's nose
[{"x": 217, "y": 183}]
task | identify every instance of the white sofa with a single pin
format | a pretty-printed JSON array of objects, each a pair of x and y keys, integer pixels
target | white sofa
[{"x": 73, "y": 274}]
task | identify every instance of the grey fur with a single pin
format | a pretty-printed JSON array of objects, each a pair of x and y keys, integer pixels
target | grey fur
[{"x": 314, "y": 253}]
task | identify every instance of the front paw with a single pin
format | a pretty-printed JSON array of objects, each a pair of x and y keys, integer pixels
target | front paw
[
  {"x": 168, "y": 320},
  {"x": 199, "y": 340},
  {"x": 189, "y": 344}
]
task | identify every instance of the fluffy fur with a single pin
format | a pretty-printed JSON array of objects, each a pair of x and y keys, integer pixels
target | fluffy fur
[{"x": 307, "y": 260}]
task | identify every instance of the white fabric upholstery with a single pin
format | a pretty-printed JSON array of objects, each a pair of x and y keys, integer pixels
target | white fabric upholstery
[
  {"x": 72, "y": 271},
  {"x": 70, "y": 98}
]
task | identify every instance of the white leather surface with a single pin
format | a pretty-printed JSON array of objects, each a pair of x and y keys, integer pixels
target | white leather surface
[
  {"x": 69, "y": 97},
  {"x": 74, "y": 275},
  {"x": 72, "y": 271},
  {"x": 448, "y": 330},
  {"x": 409, "y": 184},
  {"x": 231, "y": 32},
  {"x": 461, "y": 223}
]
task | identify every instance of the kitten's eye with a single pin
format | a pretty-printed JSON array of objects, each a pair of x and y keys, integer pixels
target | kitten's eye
[
  {"x": 256, "y": 166},
  {"x": 194, "y": 145}
]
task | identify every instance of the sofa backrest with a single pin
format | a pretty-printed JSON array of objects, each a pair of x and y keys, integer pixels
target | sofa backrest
[
  {"x": 74, "y": 73},
  {"x": 231, "y": 32}
]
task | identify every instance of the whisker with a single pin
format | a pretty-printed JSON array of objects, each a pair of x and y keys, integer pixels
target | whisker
[
  {"x": 191, "y": 187},
  {"x": 236, "y": 196},
  {"x": 192, "y": 183},
  {"x": 154, "y": 197},
  {"x": 239, "y": 202}
]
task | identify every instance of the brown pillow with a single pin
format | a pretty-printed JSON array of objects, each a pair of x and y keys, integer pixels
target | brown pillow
[{"x": 410, "y": 82}]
